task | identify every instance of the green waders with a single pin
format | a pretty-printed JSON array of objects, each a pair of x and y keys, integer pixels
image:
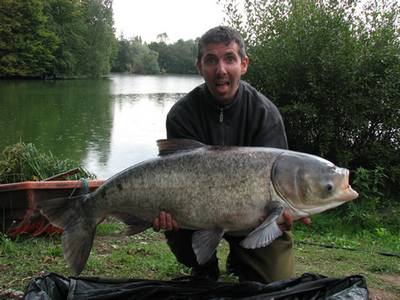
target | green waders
[{"x": 268, "y": 264}]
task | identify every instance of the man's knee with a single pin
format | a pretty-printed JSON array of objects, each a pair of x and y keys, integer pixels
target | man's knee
[{"x": 268, "y": 264}]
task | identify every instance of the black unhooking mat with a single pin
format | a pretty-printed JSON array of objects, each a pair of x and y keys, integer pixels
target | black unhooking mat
[{"x": 308, "y": 286}]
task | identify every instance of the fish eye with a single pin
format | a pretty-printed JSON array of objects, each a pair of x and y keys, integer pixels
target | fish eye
[{"x": 329, "y": 187}]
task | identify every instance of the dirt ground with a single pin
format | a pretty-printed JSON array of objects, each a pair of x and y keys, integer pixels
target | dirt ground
[{"x": 376, "y": 294}]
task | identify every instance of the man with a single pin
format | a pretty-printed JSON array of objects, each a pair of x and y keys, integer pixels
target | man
[{"x": 227, "y": 111}]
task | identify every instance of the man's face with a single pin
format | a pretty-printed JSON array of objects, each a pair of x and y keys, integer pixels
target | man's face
[{"x": 222, "y": 68}]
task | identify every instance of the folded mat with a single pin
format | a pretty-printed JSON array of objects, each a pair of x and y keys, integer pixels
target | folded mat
[{"x": 308, "y": 286}]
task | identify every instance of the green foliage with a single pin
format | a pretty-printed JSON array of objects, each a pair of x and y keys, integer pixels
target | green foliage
[
  {"x": 372, "y": 210},
  {"x": 96, "y": 55},
  {"x": 333, "y": 69},
  {"x": 27, "y": 44},
  {"x": 179, "y": 57},
  {"x": 65, "y": 19},
  {"x": 24, "y": 162},
  {"x": 135, "y": 57},
  {"x": 56, "y": 38}
]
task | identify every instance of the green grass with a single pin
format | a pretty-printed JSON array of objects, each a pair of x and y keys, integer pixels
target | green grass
[
  {"x": 24, "y": 162},
  {"x": 147, "y": 256}
]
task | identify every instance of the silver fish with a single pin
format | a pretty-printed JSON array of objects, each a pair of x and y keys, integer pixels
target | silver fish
[{"x": 214, "y": 190}]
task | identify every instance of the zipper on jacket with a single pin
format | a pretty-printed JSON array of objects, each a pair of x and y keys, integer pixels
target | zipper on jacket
[{"x": 221, "y": 121}]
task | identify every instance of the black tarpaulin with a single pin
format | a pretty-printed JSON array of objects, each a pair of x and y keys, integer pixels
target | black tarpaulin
[{"x": 308, "y": 286}]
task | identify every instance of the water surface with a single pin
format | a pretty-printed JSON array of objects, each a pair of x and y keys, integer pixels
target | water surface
[{"x": 105, "y": 124}]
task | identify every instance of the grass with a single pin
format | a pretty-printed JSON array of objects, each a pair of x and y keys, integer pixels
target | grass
[
  {"x": 147, "y": 256},
  {"x": 24, "y": 162}
]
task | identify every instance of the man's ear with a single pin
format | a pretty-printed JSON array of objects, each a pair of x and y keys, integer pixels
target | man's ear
[{"x": 244, "y": 64}]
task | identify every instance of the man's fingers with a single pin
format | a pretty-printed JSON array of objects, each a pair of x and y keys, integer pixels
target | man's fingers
[
  {"x": 175, "y": 225},
  {"x": 156, "y": 224},
  {"x": 168, "y": 222},
  {"x": 162, "y": 220},
  {"x": 288, "y": 220},
  {"x": 306, "y": 220},
  {"x": 165, "y": 222}
]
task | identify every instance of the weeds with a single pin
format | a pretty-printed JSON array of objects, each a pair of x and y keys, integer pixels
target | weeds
[{"x": 24, "y": 162}]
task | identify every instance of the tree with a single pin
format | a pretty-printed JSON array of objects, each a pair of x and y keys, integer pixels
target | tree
[
  {"x": 123, "y": 60},
  {"x": 135, "y": 57},
  {"x": 26, "y": 44},
  {"x": 96, "y": 53},
  {"x": 65, "y": 19},
  {"x": 178, "y": 57},
  {"x": 162, "y": 37}
]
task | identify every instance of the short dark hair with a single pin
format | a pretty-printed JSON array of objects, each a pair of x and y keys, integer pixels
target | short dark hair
[{"x": 220, "y": 34}]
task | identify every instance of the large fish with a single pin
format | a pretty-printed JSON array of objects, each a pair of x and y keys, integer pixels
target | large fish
[{"x": 214, "y": 190}]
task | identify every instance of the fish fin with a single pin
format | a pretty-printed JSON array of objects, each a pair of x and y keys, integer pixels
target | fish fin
[
  {"x": 79, "y": 230},
  {"x": 135, "y": 225},
  {"x": 268, "y": 231},
  {"x": 170, "y": 146},
  {"x": 205, "y": 242}
]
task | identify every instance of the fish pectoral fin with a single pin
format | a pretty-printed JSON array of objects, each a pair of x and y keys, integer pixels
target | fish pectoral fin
[
  {"x": 205, "y": 242},
  {"x": 135, "y": 225},
  {"x": 266, "y": 233}
]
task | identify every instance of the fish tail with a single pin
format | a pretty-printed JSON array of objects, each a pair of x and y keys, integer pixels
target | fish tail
[{"x": 79, "y": 227}]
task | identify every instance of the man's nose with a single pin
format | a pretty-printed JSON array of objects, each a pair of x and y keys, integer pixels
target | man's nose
[{"x": 221, "y": 68}]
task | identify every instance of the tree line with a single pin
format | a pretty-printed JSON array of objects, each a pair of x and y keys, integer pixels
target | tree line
[
  {"x": 134, "y": 56},
  {"x": 68, "y": 38}
]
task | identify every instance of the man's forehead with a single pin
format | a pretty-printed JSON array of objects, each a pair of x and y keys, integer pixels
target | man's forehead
[{"x": 220, "y": 48}]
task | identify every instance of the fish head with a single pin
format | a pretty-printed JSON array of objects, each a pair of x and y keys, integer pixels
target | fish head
[{"x": 310, "y": 183}]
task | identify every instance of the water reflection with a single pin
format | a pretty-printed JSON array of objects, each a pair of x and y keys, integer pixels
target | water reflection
[
  {"x": 64, "y": 117},
  {"x": 106, "y": 124},
  {"x": 150, "y": 84},
  {"x": 139, "y": 120}
]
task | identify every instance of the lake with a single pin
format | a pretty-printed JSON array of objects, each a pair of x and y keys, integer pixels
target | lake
[{"x": 106, "y": 124}]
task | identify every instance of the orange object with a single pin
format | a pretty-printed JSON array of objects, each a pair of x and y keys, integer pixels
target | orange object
[{"x": 18, "y": 212}]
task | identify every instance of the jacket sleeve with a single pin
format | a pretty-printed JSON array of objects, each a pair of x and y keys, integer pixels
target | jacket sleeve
[{"x": 177, "y": 127}]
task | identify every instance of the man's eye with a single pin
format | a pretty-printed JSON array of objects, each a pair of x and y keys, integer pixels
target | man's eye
[
  {"x": 210, "y": 60},
  {"x": 230, "y": 59}
]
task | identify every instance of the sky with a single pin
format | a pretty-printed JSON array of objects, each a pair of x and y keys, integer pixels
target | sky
[{"x": 180, "y": 19}]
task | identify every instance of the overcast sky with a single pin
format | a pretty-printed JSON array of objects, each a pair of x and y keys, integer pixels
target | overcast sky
[{"x": 180, "y": 19}]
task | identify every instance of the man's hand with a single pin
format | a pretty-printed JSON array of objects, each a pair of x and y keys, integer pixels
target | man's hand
[
  {"x": 165, "y": 222},
  {"x": 288, "y": 221}
]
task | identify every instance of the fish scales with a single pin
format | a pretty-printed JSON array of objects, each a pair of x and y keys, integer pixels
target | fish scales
[{"x": 201, "y": 189}]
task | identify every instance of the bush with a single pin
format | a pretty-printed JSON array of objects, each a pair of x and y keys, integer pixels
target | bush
[
  {"x": 23, "y": 162},
  {"x": 333, "y": 69},
  {"x": 364, "y": 211}
]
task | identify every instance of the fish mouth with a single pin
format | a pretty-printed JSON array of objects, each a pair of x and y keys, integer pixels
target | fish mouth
[{"x": 348, "y": 193}]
